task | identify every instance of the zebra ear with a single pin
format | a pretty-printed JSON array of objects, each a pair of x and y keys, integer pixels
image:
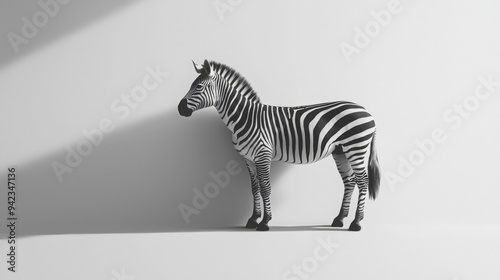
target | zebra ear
[
  {"x": 197, "y": 67},
  {"x": 207, "y": 67}
]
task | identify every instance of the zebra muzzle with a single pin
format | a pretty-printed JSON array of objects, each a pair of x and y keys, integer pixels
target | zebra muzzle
[{"x": 183, "y": 109}]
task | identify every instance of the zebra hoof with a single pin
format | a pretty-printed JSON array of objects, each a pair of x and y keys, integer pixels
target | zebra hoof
[
  {"x": 252, "y": 224},
  {"x": 262, "y": 227},
  {"x": 337, "y": 223},
  {"x": 355, "y": 226}
]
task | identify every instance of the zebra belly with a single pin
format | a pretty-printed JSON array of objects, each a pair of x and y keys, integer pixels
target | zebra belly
[{"x": 332, "y": 148}]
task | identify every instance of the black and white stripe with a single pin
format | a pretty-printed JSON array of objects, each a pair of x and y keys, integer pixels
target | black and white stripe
[{"x": 265, "y": 133}]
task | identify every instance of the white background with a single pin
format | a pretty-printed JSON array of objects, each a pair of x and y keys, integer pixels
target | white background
[{"x": 119, "y": 207}]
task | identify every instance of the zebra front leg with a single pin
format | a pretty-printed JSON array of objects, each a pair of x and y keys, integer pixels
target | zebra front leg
[
  {"x": 263, "y": 166},
  {"x": 362, "y": 182},
  {"x": 347, "y": 175},
  {"x": 252, "y": 222}
]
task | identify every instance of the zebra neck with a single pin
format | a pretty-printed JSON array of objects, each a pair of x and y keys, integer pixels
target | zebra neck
[{"x": 238, "y": 108}]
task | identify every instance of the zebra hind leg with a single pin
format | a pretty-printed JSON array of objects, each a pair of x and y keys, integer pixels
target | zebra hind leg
[
  {"x": 347, "y": 175},
  {"x": 362, "y": 182},
  {"x": 252, "y": 222}
]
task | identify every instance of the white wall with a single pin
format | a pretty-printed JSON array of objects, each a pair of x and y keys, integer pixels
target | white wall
[{"x": 427, "y": 58}]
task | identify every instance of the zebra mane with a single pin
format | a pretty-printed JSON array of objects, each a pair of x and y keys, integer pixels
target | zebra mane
[{"x": 236, "y": 78}]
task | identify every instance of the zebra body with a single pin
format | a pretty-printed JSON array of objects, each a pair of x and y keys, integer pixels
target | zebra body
[
  {"x": 263, "y": 133},
  {"x": 288, "y": 131}
]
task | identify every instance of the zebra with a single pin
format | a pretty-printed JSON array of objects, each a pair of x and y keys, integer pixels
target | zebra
[{"x": 304, "y": 134}]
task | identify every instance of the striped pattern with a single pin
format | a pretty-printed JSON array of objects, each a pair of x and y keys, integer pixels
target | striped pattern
[{"x": 305, "y": 134}]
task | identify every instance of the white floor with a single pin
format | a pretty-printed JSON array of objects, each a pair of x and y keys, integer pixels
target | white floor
[{"x": 385, "y": 252}]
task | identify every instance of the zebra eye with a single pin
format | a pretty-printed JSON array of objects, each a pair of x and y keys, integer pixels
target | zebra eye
[{"x": 199, "y": 87}]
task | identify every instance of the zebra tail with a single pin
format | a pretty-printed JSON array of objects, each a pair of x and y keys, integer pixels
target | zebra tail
[{"x": 373, "y": 172}]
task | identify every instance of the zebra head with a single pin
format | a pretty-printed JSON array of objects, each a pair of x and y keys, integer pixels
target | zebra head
[{"x": 202, "y": 93}]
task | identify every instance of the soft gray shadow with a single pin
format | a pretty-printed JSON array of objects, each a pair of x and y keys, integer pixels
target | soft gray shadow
[
  {"x": 68, "y": 17},
  {"x": 283, "y": 228},
  {"x": 308, "y": 228},
  {"x": 135, "y": 180}
]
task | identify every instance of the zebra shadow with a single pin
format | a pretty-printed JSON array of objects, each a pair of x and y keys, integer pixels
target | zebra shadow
[
  {"x": 136, "y": 179},
  {"x": 280, "y": 228}
]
